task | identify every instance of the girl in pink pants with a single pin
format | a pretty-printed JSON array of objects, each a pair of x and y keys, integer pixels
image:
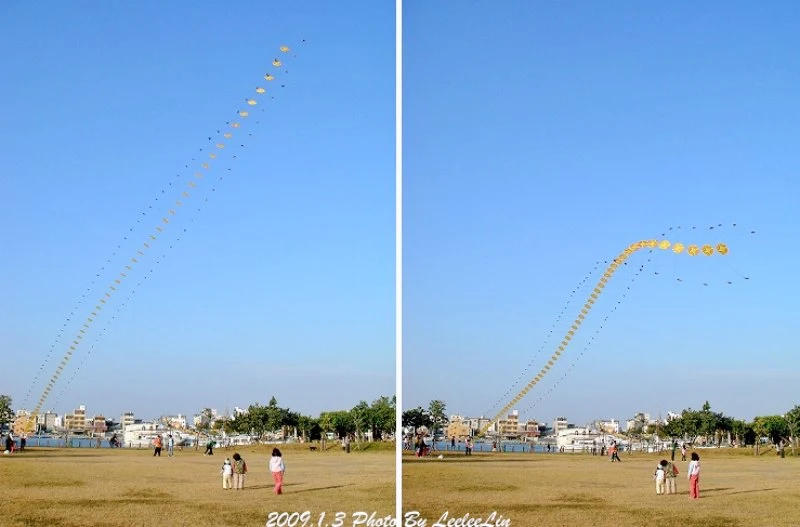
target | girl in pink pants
[
  {"x": 694, "y": 476},
  {"x": 277, "y": 468}
]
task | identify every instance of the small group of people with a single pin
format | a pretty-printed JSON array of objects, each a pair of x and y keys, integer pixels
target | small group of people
[
  {"x": 421, "y": 447},
  {"x": 613, "y": 451},
  {"x": 11, "y": 445},
  {"x": 666, "y": 477},
  {"x": 158, "y": 445},
  {"x": 233, "y": 473}
]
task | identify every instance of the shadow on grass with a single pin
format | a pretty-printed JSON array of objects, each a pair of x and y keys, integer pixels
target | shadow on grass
[
  {"x": 485, "y": 487},
  {"x": 33, "y": 520},
  {"x": 319, "y": 488},
  {"x": 270, "y": 487},
  {"x": 703, "y": 491},
  {"x": 52, "y": 483},
  {"x": 718, "y": 489},
  {"x": 543, "y": 507}
]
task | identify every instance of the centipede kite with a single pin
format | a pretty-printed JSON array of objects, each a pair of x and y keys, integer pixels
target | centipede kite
[{"x": 677, "y": 248}]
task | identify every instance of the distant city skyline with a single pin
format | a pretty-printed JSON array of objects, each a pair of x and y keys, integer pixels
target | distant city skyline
[{"x": 223, "y": 410}]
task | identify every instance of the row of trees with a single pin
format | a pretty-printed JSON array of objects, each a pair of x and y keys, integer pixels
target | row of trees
[
  {"x": 433, "y": 418},
  {"x": 377, "y": 419},
  {"x": 717, "y": 428}
]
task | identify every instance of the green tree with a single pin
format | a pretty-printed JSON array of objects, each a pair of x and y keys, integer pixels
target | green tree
[
  {"x": 339, "y": 421},
  {"x": 793, "y": 423},
  {"x": 309, "y": 427},
  {"x": 275, "y": 416},
  {"x": 760, "y": 430},
  {"x": 436, "y": 410},
  {"x": 417, "y": 418},
  {"x": 674, "y": 428},
  {"x": 241, "y": 424},
  {"x": 774, "y": 427},
  {"x": 739, "y": 429},
  {"x": 710, "y": 425},
  {"x": 362, "y": 420},
  {"x": 6, "y": 413},
  {"x": 691, "y": 423},
  {"x": 384, "y": 416},
  {"x": 257, "y": 420},
  {"x": 289, "y": 421}
]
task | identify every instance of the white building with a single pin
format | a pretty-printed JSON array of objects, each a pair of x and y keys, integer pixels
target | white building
[
  {"x": 48, "y": 420},
  {"x": 641, "y": 419},
  {"x": 610, "y": 426},
  {"x": 559, "y": 424},
  {"x": 127, "y": 419},
  {"x": 174, "y": 421}
]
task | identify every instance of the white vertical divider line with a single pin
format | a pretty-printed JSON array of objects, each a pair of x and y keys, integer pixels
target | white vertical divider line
[{"x": 398, "y": 267}]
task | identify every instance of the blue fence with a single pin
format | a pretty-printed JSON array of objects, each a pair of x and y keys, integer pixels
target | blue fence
[{"x": 510, "y": 446}]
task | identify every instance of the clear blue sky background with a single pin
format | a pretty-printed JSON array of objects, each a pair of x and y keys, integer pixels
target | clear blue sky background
[
  {"x": 283, "y": 281},
  {"x": 543, "y": 137}
]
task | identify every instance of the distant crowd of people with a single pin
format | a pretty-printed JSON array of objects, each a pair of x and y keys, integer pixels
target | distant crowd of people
[{"x": 11, "y": 443}]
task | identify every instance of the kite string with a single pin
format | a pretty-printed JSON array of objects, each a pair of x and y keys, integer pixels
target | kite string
[
  {"x": 677, "y": 248},
  {"x": 591, "y": 339},
  {"x": 145, "y": 246},
  {"x": 547, "y": 339}
]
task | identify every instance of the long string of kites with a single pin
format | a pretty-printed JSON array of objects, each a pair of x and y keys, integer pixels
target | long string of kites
[
  {"x": 652, "y": 245},
  {"x": 191, "y": 189}
]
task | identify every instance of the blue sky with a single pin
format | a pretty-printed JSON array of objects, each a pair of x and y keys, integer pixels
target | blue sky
[
  {"x": 277, "y": 279},
  {"x": 541, "y": 138}
]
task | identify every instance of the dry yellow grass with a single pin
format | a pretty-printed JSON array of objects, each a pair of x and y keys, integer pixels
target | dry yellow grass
[
  {"x": 102, "y": 487},
  {"x": 736, "y": 489}
]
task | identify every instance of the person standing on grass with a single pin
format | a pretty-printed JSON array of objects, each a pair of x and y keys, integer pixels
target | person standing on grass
[
  {"x": 672, "y": 478},
  {"x": 613, "y": 451},
  {"x": 660, "y": 476},
  {"x": 693, "y": 473},
  {"x": 157, "y": 444},
  {"x": 278, "y": 468},
  {"x": 239, "y": 470},
  {"x": 171, "y": 445},
  {"x": 683, "y": 451},
  {"x": 468, "y": 446},
  {"x": 227, "y": 474}
]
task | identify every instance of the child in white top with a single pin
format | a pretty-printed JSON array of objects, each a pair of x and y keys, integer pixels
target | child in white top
[
  {"x": 227, "y": 475},
  {"x": 660, "y": 477},
  {"x": 277, "y": 468},
  {"x": 693, "y": 473}
]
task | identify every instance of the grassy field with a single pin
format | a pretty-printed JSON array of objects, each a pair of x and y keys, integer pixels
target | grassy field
[
  {"x": 579, "y": 490},
  {"x": 119, "y": 487}
]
